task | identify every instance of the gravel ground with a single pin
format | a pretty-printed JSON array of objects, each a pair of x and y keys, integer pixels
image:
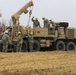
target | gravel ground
[{"x": 38, "y": 63}]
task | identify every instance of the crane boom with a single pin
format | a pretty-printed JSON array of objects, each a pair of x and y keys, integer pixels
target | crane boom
[{"x": 22, "y": 10}]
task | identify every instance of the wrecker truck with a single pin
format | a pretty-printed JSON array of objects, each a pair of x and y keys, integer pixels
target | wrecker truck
[{"x": 63, "y": 38}]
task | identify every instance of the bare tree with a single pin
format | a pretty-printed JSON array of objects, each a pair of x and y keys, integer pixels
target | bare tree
[{"x": 10, "y": 22}]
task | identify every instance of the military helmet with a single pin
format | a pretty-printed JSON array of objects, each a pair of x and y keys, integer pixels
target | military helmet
[
  {"x": 6, "y": 32},
  {"x": 43, "y": 17},
  {"x": 19, "y": 32},
  {"x": 31, "y": 32},
  {"x": 36, "y": 18},
  {"x": 50, "y": 20}
]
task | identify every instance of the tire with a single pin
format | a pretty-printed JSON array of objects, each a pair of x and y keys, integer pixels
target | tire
[
  {"x": 60, "y": 45},
  {"x": 24, "y": 47},
  {"x": 36, "y": 46},
  {"x": 64, "y": 24},
  {"x": 71, "y": 46}
]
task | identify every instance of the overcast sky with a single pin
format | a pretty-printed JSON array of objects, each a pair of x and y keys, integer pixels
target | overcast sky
[{"x": 57, "y": 10}]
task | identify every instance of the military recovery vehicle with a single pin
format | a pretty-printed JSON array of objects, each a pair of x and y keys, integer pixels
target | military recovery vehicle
[
  {"x": 64, "y": 38},
  {"x": 60, "y": 38}
]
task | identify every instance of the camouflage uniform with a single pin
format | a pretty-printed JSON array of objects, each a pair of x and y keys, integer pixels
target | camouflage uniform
[
  {"x": 36, "y": 23},
  {"x": 54, "y": 26},
  {"x": 46, "y": 23},
  {"x": 30, "y": 39},
  {"x": 1, "y": 42},
  {"x": 5, "y": 42},
  {"x": 19, "y": 42}
]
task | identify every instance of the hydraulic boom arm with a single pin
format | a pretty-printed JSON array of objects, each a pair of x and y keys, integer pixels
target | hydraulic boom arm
[{"x": 16, "y": 16}]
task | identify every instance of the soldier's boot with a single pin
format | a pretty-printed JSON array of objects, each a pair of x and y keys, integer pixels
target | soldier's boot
[
  {"x": 20, "y": 49},
  {"x": 6, "y": 46},
  {"x": 17, "y": 49},
  {"x": 3, "y": 49},
  {"x": 0, "y": 47},
  {"x": 31, "y": 48}
]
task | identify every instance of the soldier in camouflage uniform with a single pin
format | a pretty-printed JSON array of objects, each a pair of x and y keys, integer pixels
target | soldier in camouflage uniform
[
  {"x": 5, "y": 41},
  {"x": 54, "y": 25},
  {"x": 36, "y": 23},
  {"x": 46, "y": 23},
  {"x": 0, "y": 44},
  {"x": 30, "y": 39},
  {"x": 19, "y": 42}
]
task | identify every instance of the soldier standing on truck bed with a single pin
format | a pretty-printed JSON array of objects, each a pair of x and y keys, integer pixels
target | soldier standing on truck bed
[
  {"x": 54, "y": 25},
  {"x": 36, "y": 23},
  {"x": 46, "y": 23},
  {"x": 5, "y": 41},
  {"x": 19, "y": 42}
]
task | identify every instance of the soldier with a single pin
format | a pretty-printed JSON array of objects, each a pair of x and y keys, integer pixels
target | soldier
[
  {"x": 5, "y": 41},
  {"x": 36, "y": 23},
  {"x": 46, "y": 23},
  {"x": 54, "y": 25},
  {"x": 19, "y": 42},
  {"x": 0, "y": 43},
  {"x": 30, "y": 39}
]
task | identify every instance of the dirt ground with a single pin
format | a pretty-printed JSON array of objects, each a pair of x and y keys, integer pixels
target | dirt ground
[{"x": 38, "y": 63}]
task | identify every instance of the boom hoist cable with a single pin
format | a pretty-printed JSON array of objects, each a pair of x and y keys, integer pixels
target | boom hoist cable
[{"x": 30, "y": 12}]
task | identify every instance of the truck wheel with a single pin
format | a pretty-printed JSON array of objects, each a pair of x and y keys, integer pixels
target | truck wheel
[
  {"x": 60, "y": 45},
  {"x": 36, "y": 46},
  {"x": 71, "y": 46},
  {"x": 24, "y": 46}
]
